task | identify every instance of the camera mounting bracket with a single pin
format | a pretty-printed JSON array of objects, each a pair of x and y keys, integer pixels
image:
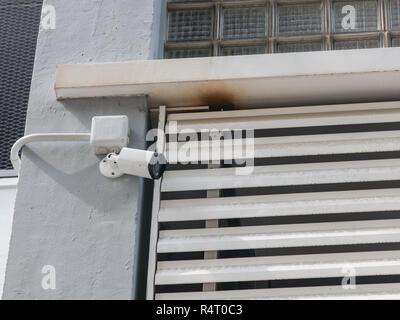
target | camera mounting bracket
[{"x": 109, "y": 166}]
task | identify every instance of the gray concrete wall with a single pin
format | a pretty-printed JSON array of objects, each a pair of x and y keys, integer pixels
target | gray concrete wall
[{"x": 66, "y": 214}]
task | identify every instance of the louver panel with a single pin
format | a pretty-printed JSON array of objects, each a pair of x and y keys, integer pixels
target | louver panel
[
  {"x": 296, "y": 145},
  {"x": 310, "y": 234},
  {"x": 361, "y": 292},
  {"x": 323, "y": 197},
  {"x": 288, "y": 117},
  {"x": 279, "y": 267},
  {"x": 281, "y": 175},
  {"x": 313, "y": 203}
]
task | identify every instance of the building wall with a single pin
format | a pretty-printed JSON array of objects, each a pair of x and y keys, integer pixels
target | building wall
[
  {"x": 7, "y": 198},
  {"x": 67, "y": 215}
]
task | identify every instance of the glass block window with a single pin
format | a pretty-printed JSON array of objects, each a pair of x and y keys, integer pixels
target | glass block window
[
  {"x": 236, "y": 51},
  {"x": 395, "y": 41},
  {"x": 299, "y": 47},
  {"x": 187, "y": 53},
  {"x": 198, "y": 28},
  {"x": 244, "y": 23},
  {"x": 218, "y": 27},
  {"x": 190, "y": 25},
  {"x": 394, "y": 14},
  {"x": 356, "y": 44},
  {"x": 300, "y": 19},
  {"x": 355, "y": 16}
]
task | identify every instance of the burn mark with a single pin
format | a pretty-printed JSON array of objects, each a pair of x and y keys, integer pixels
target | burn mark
[{"x": 216, "y": 95}]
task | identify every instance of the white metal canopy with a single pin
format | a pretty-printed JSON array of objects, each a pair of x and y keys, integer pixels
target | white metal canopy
[{"x": 302, "y": 78}]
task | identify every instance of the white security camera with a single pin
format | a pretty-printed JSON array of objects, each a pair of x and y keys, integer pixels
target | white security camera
[
  {"x": 136, "y": 162},
  {"x": 110, "y": 134}
]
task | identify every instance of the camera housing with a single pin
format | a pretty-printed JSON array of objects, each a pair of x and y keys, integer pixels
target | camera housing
[{"x": 142, "y": 163}]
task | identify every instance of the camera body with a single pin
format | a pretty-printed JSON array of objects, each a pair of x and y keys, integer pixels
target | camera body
[
  {"x": 110, "y": 135},
  {"x": 142, "y": 163}
]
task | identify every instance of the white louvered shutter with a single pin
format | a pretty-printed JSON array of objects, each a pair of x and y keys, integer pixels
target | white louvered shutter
[{"x": 323, "y": 200}]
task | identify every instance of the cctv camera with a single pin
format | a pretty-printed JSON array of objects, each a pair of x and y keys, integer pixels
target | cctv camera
[{"x": 136, "y": 162}]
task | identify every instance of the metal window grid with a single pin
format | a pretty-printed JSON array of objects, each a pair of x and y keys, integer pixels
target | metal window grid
[
  {"x": 19, "y": 26},
  {"x": 256, "y": 26}
]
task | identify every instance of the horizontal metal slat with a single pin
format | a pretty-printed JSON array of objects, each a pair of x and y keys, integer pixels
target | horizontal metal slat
[
  {"x": 277, "y": 267},
  {"x": 279, "y": 236},
  {"x": 282, "y": 111},
  {"x": 281, "y": 175},
  {"x": 284, "y": 146},
  {"x": 280, "y": 205},
  {"x": 370, "y": 291},
  {"x": 316, "y": 118}
]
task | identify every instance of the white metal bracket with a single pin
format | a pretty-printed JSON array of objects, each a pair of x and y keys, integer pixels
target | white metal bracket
[{"x": 109, "y": 167}]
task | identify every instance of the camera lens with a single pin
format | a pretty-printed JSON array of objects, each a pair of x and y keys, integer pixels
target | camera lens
[{"x": 157, "y": 166}]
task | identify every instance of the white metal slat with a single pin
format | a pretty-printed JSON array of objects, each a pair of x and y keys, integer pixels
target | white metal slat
[
  {"x": 289, "y": 120},
  {"x": 280, "y": 236},
  {"x": 282, "y": 111},
  {"x": 278, "y": 267},
  {"x": 371, "y": 291},
  {"x": 274, "y": 122},
  {"x": 341, "y": 143},
  {"x": 282, "y": 175},
  {"x": 280, "y": 205}
]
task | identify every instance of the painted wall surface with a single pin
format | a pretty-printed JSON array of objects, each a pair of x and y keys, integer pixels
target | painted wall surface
[
  {"x": 8, "y": 189},
  {"x": 67, "y": 215}
]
